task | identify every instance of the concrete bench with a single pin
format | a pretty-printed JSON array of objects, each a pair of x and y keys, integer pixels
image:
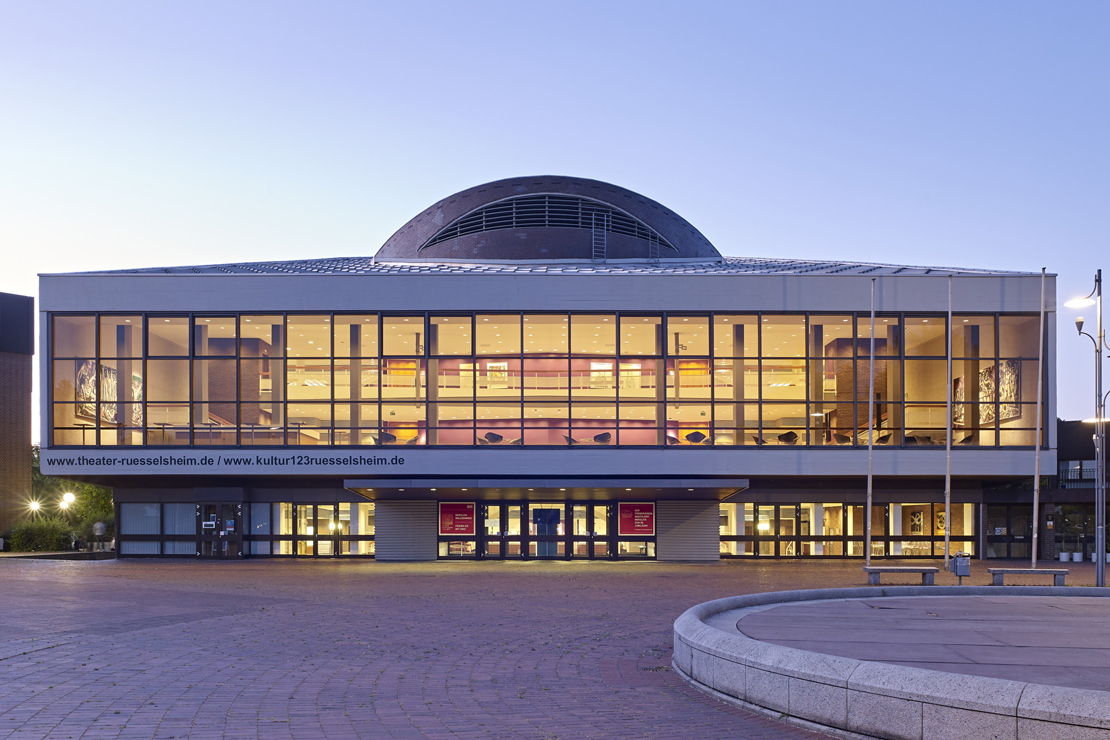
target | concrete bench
[
  {"x": 874, "y": 571},
  {"x": 999, "y": 574}
]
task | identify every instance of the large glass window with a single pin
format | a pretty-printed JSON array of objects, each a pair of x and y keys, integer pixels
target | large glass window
[
  {"x": 167, "y": 336},
  {"x": 594, "y": 424},
  {"x": 499, "y": 334},
  {"x": 784, "y": 380},
  {"x": 641, "y": 335},
  {"x": 497, "y": 424},
  {"x": 888, "y": 336},
  {"x": 1018, "y": 336},
  {"x": 74, "y": 336},
  {"x": 355, "y": 335},
  {"x": 593, "y": 380},
  {"x": 687, "y": 336},
  {"x": 215, "y": 335},
  {"x": 451, "y": 335},
  {"x": 838, "y": 530},
  {"x": 550, "y": 378},
  {"x": 925, "y": 336},
  {"x": 593, "y": 334},
  {"x": 973, "y": 336},
  {"x": 544, "y": 334},
  {"x": 707, "y": 379},
  {"x": 735, "y": 336},
  {"x": 784, "y": 336},
  {"x": 139, "y": 518},
  {"x": 547, "y": 424},
  {"x": 403, "y": 335},
  {"x": 690, "y": 379},
  {"x": 121, "y": 336}
]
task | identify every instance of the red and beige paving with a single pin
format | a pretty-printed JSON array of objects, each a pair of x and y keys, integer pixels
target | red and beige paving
[{"x": 325, "y": 649}]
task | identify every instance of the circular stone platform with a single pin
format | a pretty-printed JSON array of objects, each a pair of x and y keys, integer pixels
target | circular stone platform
[
  {"x": 909, "y": 662},
  {"x": 1052, "y": 640}
]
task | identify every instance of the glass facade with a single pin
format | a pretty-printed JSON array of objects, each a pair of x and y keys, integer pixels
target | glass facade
[
  {"x": 558, "y": 379},
  {"x": 225, "y": 530},
  {"x": 559, "y": 530},
  {"x": 1074, "y": 526},
  {"x": 521, "y": 530},
  {"x": 839, "y": 530}
]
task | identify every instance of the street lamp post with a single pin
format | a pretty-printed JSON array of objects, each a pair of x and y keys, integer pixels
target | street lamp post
[{"x": 1095, "y": 298}]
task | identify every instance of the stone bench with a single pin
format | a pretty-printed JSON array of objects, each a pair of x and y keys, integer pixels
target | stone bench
[
  {"x": 999, "y": 574},
  {"x": 874, "y": 571}
]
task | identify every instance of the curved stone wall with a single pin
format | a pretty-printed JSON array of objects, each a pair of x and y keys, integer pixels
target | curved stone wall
[{"x": 856, "y": 698}]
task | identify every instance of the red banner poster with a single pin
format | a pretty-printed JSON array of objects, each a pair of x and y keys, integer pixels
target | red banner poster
[
  {"x": 456, "y": 519},
  {"x": 636, "y": 519}
]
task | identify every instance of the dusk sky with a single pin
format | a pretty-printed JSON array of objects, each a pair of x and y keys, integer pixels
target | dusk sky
[{"x": 136, "y": 134}]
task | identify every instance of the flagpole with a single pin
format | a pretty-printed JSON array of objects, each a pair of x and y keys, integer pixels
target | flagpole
[
  {"x": 870, "y": 430},
  {"x": 948, "y": 443},
  {"x": 1037, "y": 459}
]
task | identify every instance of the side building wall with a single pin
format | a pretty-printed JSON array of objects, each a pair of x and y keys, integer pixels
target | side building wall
[{"x": 16, "y": 352}]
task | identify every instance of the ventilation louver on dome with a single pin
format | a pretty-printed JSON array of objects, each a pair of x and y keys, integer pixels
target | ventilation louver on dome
[{"x": 546, "y": 211}]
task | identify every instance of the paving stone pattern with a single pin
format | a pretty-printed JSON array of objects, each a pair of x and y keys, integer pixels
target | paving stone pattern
[{"x": 280, "y": 649}]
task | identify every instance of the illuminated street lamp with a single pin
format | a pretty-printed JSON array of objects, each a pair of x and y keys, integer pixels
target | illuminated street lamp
[
  {"x": 1095, "y": 298},
  {"x": 68, "y": 498}
]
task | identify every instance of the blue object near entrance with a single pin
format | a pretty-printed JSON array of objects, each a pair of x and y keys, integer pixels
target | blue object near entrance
[{"x": 546, "y": 522}]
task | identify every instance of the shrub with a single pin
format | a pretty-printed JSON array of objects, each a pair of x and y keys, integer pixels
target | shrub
[{"x": 42, "y": 534}]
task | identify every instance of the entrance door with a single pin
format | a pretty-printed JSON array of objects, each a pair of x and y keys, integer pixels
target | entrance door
[
  {"x": 546, "y": 520},
  {"x": 220, "y": 530}
]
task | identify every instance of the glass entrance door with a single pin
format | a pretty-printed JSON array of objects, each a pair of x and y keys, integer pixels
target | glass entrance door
[
  {"x": 547, "y": 530},
  {"x": 220, "y": 530}
]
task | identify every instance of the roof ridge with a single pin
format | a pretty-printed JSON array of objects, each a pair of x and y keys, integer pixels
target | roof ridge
[{"x": 365, "y": 265}]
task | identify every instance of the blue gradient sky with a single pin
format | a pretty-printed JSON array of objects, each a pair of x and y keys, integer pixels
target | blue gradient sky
[{"x": 942, "y": 133}]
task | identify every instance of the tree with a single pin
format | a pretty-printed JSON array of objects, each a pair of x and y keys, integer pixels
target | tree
[{"x": 92, "y": 503}]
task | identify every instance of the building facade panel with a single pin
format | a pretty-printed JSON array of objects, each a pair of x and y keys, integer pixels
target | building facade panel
[{"x": 16, "y": 350}]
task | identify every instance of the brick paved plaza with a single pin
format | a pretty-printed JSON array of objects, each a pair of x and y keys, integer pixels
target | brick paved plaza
[{"x": 170, "y": 649}]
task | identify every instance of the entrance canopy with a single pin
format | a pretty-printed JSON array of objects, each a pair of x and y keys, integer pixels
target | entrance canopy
[{"x": 575, "y": 489}]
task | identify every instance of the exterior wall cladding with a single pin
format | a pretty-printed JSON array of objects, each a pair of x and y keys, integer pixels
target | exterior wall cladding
[
  {"x": 727, "y": 453},
  {"x": 16, "y": 347}
]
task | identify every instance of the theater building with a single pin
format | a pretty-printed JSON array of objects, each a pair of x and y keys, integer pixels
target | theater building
[{"x": 545, "y": 367}]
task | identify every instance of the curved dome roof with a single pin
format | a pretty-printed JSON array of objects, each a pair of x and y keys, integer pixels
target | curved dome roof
[{"x": 547, "y": 218}]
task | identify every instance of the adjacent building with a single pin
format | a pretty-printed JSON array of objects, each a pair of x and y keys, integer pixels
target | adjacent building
[
  {"x": 547, "y": 367},
  {"x": 17, "y": 345}
]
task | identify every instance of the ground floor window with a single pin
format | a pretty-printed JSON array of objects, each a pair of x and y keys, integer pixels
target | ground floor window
[
  {"x": 345, "y": 529},
  {"x": 839, "y": 530},
  {"x": 1074, "y": 529},
  {"x": 237, "y": 530}
]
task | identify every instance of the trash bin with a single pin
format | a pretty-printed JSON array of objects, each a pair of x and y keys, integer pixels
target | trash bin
[{"x": 960, "y": 565}]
